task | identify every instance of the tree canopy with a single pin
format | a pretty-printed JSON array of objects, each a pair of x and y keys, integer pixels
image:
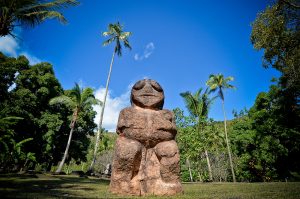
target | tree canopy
[
  {"x": 276, "y": 31},
  {"x": 26, "y": 92}
]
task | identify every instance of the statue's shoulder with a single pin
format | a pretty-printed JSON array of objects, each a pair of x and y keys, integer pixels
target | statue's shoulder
[
  {"x": 127, "y": 110},
  {"x": 168, "y": 114},
  {"x": 166, "y": 111}
]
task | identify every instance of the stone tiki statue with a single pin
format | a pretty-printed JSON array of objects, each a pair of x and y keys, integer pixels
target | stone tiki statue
[{"x": 146, "y": 159}]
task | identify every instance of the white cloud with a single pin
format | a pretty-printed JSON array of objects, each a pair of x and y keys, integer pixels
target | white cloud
[
  {"x": 136, "y": 57},
  {"x": 10, "y": 46},
  {"x": 112, "y": 108},
  {"x": 149, "y": 49},
  {"x": 31, "y": 58}
]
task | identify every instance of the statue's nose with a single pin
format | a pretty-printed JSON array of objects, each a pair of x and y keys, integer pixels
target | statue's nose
[{"x": 148, "y": 88}]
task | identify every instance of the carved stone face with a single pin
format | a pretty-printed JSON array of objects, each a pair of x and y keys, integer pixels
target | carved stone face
[{"x": 147, "y": 93}]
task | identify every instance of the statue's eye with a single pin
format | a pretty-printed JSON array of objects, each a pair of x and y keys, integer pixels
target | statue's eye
[
  {"x": 139, "y": 85},
  {"x": 156, "y": 86}
]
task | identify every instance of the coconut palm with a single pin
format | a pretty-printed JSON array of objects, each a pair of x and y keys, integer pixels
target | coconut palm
[
  {"x": 118, "y": 36},
  {"x": 79, "y": 100},
  {"x": 198, "y": 106},
  {"x": 219, "y": 83},
  {"x": 29, "y": 13}
]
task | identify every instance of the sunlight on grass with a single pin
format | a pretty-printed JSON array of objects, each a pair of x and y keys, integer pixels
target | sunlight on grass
[{"x": 48, "y": 186}]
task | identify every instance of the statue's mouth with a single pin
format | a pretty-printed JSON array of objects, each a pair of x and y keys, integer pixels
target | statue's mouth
[{"x": 148, "y": 95}]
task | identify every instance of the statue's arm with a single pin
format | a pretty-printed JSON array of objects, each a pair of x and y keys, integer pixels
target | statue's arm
[
  {"x": 122, "y": 121},
  {"x": 173, "y": 121},
  {"x": 170, "y": 116}
]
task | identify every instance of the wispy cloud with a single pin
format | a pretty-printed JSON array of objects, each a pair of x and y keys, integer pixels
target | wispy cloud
[
  {"x": 112, "y": 108},
  {"x": 149, "y": 49},
  {"x": 31, "y": 58},
  {"x": 11, "y": 46}
]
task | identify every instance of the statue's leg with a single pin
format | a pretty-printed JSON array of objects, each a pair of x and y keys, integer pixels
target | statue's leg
[
  {"x": 168, "y": 155},
  {"x": 126, "y": 163}
]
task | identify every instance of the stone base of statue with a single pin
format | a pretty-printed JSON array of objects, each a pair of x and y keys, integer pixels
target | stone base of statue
[{"x": 146, "y": 159}]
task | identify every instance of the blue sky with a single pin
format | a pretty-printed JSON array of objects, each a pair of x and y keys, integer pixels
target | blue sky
[{"x": 177, "y": 43}]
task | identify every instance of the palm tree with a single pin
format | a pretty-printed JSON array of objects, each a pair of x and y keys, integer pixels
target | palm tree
[
  {"x": 219, "y": 83},
  {"x": 29, "y": 13},
  {"x": 79, "y": 100},
  {"x": 198, "y": 106},
  {"x": 116, "y": 34}
]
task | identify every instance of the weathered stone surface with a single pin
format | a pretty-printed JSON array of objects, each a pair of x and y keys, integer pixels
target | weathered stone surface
[{"x": 146, "y": 159}]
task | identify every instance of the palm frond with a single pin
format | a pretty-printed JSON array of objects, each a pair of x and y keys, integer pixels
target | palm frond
[
  {"x": 212, "y": 85},
  {"x": 87, "y": 93},
  {"x": 126, "y": 44},
  {"x": 91, "y": 101},
  {"x": 108, "y": 33},
  {"x": 30, "y": 13},
  {"x": 226, "y": 85},
  {"x": 34, "y": 12},
  {"x": 54, "y": 5},
  {"x": 109, "y": 41},
  {"x": 118, "y": 48},
  {"x": 110, "y": 27},
  {"x": 19, "y": 144},
  {"x": 219, "y": 82},
  {"x": 190, "y": 103},
  {"x": 117, "y": 29},
  {"x": 206, "y": 102},
  {"x": 198, "y": 104},
  {"x": 76, "y": 92},
  {"x": 116, "y": 34},
  {"x": 5, "y": 146},
  {"x": 10, "y": 120},
  {"x": 211, "y": 80},
  {"x": 125, "y": 35},
  {"x": 41, "y": 16},
  {"x": 62, "y": 100},
  {"x": 198, "y": 93},
  {"x": 211, "y": 76},
  {"x": 227, "y": 79}
]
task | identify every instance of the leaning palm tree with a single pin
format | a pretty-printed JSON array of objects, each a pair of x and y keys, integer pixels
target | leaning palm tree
[
  {"x": 29, "y": 13},
  {"x": 79, "y": 99},
  {"x": 198, "y": 106},
  {"x": 219, "y": 83},
  {"x": 116, "y": 34}
]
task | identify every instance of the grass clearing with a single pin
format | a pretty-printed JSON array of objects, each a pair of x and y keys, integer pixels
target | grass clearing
[{"x": 48, "y": 186}]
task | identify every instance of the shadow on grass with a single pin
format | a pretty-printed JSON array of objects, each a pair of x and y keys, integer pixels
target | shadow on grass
[
  {"x": 48, "y": 186},
  {"x": 45, "y": 186}
]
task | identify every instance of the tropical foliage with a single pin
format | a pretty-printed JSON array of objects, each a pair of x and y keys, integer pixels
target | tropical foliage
[
  {"x": 80, "y": 101},
  {"x": 276, "y": 32},
  {"x": 25, "y": 93},
  {"x": 264, "y": 139},
  {"x": 198, "y": 105},
  {"x": 29, "y": 13}
]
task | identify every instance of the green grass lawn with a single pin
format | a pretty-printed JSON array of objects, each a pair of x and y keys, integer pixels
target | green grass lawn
[{"x": 47, "y": 186}]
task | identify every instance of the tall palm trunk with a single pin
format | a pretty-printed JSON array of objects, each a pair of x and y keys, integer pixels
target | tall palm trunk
[
  {"x": 61, "y": 164},
  {"x": 208, "y": 165},
  {"x": 227, "y": 143},
  {"x": 190, "y": 170},
  {"x": 200, "y": 178},
  {"x": 102, "y": 112},
  {"x": 206, "y": 153}
]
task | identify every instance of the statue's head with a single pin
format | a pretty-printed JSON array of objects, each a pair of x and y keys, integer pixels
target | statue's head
[{"x": 147, "y": 93}]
